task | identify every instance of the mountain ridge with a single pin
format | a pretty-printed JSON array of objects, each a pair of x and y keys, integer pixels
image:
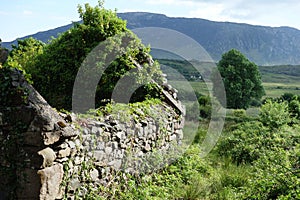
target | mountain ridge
[{"x": 263, "y": 45}]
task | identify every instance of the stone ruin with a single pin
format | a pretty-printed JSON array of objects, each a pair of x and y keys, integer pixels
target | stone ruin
[{"x": 44, "y": 153}]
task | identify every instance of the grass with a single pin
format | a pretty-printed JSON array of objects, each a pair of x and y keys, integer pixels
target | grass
[
  {"x": 277, "y": 89},
  {"x": 272, "y": 89},
  {"x": 277, "y": 80},
  {"x": 213, "y": 177}
]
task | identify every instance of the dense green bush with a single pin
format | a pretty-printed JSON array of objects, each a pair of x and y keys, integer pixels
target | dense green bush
[
  {"x": 248, "y": 141},
  {"x": 56, "y": 68},
  {"x": 275, "y": 114},
  {"x": 294, "y": 107},
  {"x": 276, "y": 176},
  {"x": 287, "y": 97},
  {"x": 24, "y": 56},
  {"x": 245, "y": 143},
  {"x": 270, "y": 147}
]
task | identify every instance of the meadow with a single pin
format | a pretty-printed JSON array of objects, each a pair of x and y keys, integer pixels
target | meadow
[{"x": 276, "y": 81}]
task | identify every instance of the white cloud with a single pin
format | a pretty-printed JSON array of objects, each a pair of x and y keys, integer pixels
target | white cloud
[
  {"x": 27, "y": 12},
  {"x": 208, "y": 11},
  {"x": 268, "y": 12},
  {"x": 128, "y": 10},
  {"x": 172, "y": 2}
]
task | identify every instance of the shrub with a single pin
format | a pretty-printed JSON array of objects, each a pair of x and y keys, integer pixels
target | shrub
[
  {"x": 294, "y": 107},
  {"x": 240, "y": 113},
  {"x": 244, "y": 144},
  {"x": 205, "y": 107},
  {"x": 58, "y": 65},
  {"x": 274, "y": 114},
  {"x": 275, "y": 176},
  {"x": 248, "y": 141}
]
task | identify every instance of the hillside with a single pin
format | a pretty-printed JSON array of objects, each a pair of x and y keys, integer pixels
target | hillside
[{"x": 263, "y": 45}]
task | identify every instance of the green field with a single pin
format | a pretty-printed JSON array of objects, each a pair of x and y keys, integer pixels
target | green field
[
  {"x": 277, "y": 89},
  {"x": 277, "y": 80},
  {"x": 272, "y": 89}
]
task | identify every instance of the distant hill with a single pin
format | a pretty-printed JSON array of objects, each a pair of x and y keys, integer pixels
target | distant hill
[
  {"x": 262, "y": 45},
  {"x": 43, "y": 36}
]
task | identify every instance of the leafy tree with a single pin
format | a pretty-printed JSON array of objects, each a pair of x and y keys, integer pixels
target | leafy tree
[
  {"x": 241, "y": 78},
  {"x": 24, "y": 55},
  {"x": 59, "y": 64}
]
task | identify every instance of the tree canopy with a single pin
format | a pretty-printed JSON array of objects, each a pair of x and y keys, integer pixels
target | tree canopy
[
  {"x": 55, "y": 70},
  {"x": 241, "y": 78},
  {"x": 24, "y": 55}
]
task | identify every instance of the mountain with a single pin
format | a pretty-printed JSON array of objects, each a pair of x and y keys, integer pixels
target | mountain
[
  {"x": 43, "y": 36},
  {"x": 261, "y": 44}
]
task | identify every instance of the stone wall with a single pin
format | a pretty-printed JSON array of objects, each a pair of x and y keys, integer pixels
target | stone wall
[
  {"x": 50, "y": 155},
  {"x": 3, "y": 55}
]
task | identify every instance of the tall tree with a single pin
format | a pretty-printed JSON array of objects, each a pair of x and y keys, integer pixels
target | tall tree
[{"x": 241, "y": 78}]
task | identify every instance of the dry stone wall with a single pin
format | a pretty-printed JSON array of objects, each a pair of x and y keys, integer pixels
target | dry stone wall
[{"x": 49, "y": 155}]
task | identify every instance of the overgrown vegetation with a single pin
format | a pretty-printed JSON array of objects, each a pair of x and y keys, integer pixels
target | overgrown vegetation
[
  {"x": 257, "y": 157},
  {"x": 54, "y": 67}
]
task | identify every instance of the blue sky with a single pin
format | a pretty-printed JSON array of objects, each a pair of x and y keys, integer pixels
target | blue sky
[{"x": 23, "y": 17}]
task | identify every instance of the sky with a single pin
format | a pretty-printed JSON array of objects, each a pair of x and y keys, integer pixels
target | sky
[{"x": 19, "y": 18}]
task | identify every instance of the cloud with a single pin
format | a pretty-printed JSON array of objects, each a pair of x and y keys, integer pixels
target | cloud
[
  {"x": 267, "y": 12},
  {"x": 27, "y": 12},
  {"x": 209, "y": 11},
  {"x": 129, "y": 10},
  {"x": 172, "y": 2}
]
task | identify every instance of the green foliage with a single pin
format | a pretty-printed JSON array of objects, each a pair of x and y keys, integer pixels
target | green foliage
[
  {"x": 271, "y": 147},
  {"x": 287, "y": 97},
  {"x": 276, "y": 176},
  {"x": 274, "y": 114},
  {"x": 249, "y": 141},
  {"x": 293, "y": 102},
  {"x": 57, "y": 67},
  {"x": 24, "y": 56},
  {"x": 205, "y": 106},
  {"x": 133, "y": 111},
  {"x": 190, "y": 177},
  {"x": 244, "y": 143},
  {"x": 241, "y": 79},
  {"x": 294, "y": 108},
  {"x": 240, "y": 113}
]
